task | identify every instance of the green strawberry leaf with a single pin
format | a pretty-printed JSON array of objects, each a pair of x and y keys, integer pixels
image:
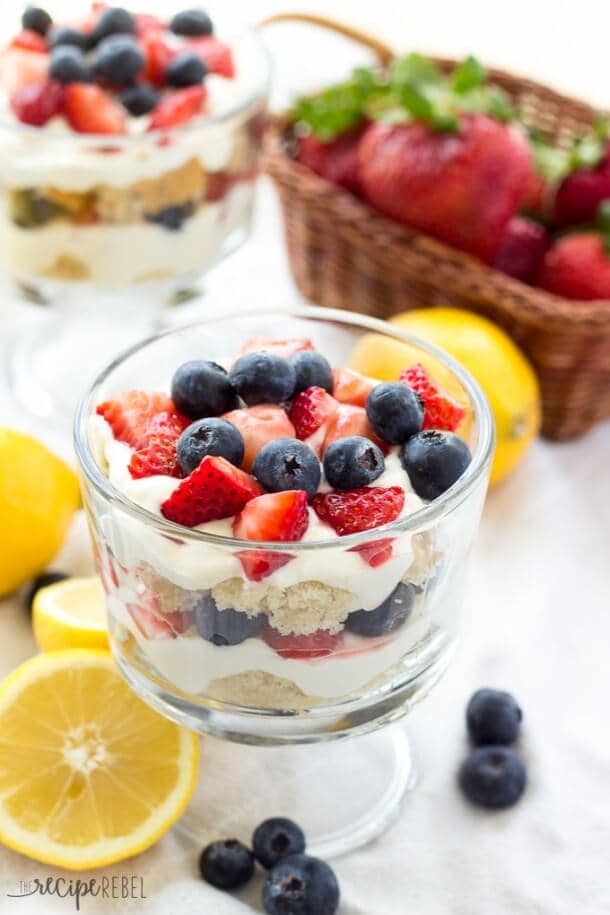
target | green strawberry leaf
[
  {"x": 468, "y": 75},
  {"x": 415, "y": 69}
]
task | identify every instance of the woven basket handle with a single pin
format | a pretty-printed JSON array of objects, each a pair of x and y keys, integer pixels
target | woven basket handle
[{"x": 381, "y": 50}]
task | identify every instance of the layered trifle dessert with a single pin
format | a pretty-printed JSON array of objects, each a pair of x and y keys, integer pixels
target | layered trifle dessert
[
  {"x": 128, "y": 146},
  {"x": 271, "y": 562}
]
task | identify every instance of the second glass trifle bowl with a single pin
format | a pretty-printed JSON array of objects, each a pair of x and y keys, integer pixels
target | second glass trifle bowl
[{"x": 298, "y": 662}]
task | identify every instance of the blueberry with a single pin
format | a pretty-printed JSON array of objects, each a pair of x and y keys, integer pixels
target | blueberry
[
  {"x": 352, "y": 462},
  {"x": 36, "y": 19},
  {"x": 172, "y": 217},
  {"x": 387, "y": 617},
  {"x": 209, "y": 436},
  {"x": 118, "y": 60},
  {"x": 225, "y": 627},
  {"x": 493, "y": 777},
  {"x": 434, "y": 461},
  {"x": 191, "y": 22},
  {"x": 68, "y": 65},
  {"x": 312, "y": 370},
  {"x": 113, "y": 21},
  {"x": 395, "y": 411},
  {"x": 275, "y": 839},
  {"x": 187, "y": 69},
  {"x": 139, "y": 99},
  {"x": 263, "y": 378},
  {"x": 493, "y": 717},
  {"x": 47, "y": 578},
  {"x": 301, "y": 885},
  {"x": 64, "y": 35},
  {"x": 226, "y": 864},
  {"x": 287, "y": 463},
  {"x": 201, "y": 388}
]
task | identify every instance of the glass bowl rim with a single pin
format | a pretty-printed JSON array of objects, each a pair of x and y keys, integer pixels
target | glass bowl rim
[
  {"x": 259, "y": 92},
  {"x": 413, "y": 522}
]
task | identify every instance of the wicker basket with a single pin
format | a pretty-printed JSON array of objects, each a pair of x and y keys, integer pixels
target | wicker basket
[{"x": 343, "y": 254}]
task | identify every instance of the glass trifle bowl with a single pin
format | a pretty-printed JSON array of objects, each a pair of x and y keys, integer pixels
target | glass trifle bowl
[
  {"x": 108, "y": 214},
  {"x": 296, "y": 643}
]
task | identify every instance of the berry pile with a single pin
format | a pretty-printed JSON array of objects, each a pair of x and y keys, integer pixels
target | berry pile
[
  {"x": 296, "y": 883},
  {"x": 113, "y": 64}
]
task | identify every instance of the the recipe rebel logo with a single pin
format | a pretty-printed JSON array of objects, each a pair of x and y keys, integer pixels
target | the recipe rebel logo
[{"x": 122, "y": 886}]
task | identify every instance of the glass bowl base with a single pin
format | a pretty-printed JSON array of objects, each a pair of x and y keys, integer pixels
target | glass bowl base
[{"x": 342, "y": 793}]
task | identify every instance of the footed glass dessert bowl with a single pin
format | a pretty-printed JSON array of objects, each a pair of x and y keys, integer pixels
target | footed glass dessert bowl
[{"x": 283, "y": 544}]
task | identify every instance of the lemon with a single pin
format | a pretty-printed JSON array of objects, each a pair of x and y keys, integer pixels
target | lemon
[
  {"x": 70, "y": 614},
  {"x": 38, "y": 496},
  {"x": 488, "y": 353},
  {"x": 90, "y": 774}
]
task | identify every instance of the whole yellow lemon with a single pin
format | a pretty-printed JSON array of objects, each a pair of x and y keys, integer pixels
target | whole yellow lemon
[
  {"x": 38, "y": 495},
  {"x": 488, "y": 353}
]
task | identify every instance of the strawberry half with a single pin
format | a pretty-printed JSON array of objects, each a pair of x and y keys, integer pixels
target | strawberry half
[
  {"x": 177, "y": 108},
  {"x": 312, "y": 410},
  {"x": 37, "y": 103},
  {"x": 440, "y": 411},
  {"x": 376, "y": 553},
  {"x": 153, "y": 624},
  {"x": 350, "y": 420},
  {"x": 359, "y": 509},
  {"x": 90, "y": 110},
  {"x": 131, "y": 414},
  {"x": 214, "y": 490},
  {"x": 28, "y": 40},
  {"x": 259, "y": 425},
  {"x": 216, "y": 56},
  {"x": 319, "y": 644},
  {"x": 157, "y": 55},
  {"x": 158, "y": 456},
  {"x": 273, "y": 516},
  {"x": 351, "y": 387}
]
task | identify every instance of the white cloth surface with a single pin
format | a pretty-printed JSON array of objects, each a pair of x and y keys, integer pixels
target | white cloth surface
[{"x": 536, "y": 620}]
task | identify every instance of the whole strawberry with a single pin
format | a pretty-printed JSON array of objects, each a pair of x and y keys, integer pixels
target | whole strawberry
[
  {"x": 521, "y": 249},
  {"x": 577, "y": 267},
  {"x": 336, "y": 160},
  {"x": 579, "y": 195},
  {"x": 461, "y": 186}
]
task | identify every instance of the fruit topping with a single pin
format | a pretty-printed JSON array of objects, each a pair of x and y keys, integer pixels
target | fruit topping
[
  {"x": 287, "y": 463},
  {"x": 64, "y": 35},
  {"x": 226, "y": 864},
  {"x": 37, "y": 103},
  {"x": 177, "y": 108},
  {"x": 493, "y": 717},
  {"x": 394, "y": 411},
  {"x": 114, "y": 20},
  {"x": 186, "y": 69},
  {"x": 36, "y": 19},
  {"x": 312, "y": 370},
  {"x": 263, "y": 377},
  {"x": 159, "y": 454},
  {"x": 29, "y": 40},
  {"x": 68, "y": 65},
  {"x": 440, "y": 411},
  {"x": 301, "y": 884},
  {"x": 521, "y": 249},
  {"x": 191, "y": 22},
  {"x": 353, "y": 462},
  {"x": 319, "y": 644},
  {"x": 434, "y": 461},
  {"x": 172, "y": 217},
  {"x": 284, "y": 348},
  {"x": 201, "y": 388},
  {"x": 216, "y": 56},
  {"x": 118, "y": 60},
  {"x": 140, "y": 99},
  {"x": 312, "y": 410},
  {"x": 259, "y": 425},
  {"x": 348, "y": 420},
  {"x": 225, "y": 627},
  {"x": 210, "y": 436},
  {"x": 214, "y": 490},
  {"x": 157, "y": 56},
  {"x": 89, "y": 110},
  {"x": 351, "y": 387},
  {"x": 130, "y": 414},
  {"x": 280, "y": 516},
  {"x": 385, "y": 618},
  {"x": 359, "y": 509},
  {"x": 493, "y": 777}
]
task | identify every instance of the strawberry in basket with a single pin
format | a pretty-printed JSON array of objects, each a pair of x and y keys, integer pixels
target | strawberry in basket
[{"x": 577, "y": 266}]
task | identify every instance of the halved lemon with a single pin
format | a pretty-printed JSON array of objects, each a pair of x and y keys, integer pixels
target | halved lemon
[
  {"x": 90, "y": 774},
  {"x": 70, "y": 614}
]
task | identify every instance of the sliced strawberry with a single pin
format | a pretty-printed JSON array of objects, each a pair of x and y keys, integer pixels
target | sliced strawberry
[
  {"x": 440, "y": 411},
  {"x": 273, "y": 516},
  {"x": 217, "y": 56},
  {"x": 319, "y": 644},
  {"x": 359, "y": 509},
  {"x": 349, "y": 420},
  {"x": 283, "y": 348},
  {"x": 177, "y": 108},
  {"x": 152, "y": 624},
  {"x": 376, "y": 553},
  {"x": 311, "y": 412},
  {"x": 157, "y": 55},
  {"x": 259, "y": 425},
  {"x": 158, "y": 456},
  {"x": 130, "y": 415},
  {"x": 351, "y": 387},
  {"x": 214, "y": 490},
  {"x": 37, "y": 103},
  {"x": 145, "y": 23},
  {"x": 90, "y": 110},
  {"x": 29, "y": 40},
  {"x": 20, "y": 68}
]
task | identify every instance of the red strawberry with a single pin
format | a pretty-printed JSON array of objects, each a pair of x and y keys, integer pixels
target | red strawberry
[
  {"x": 283, "y": 348},
  {"x": 130, "y": 415},
  {"x": 351, "y": 387},
  {"x": 535, "y": 199},
  {"x": 521, "y": 249},
  {"x": 311, "y": 412},
  {"x": 158, "y": 456},
  {"x": 28, "y": 40},
  {"x": 259, "y": 425},
  {"x": 20, "y": 68},
  {"x": 90, "y": 110},
  {"x": 145, "y": 23},
  {"x": 217, "y": 56},
  {"x": 214, "y": 490},
  {"x": 577, "y": 267},
  {"x": 376, "y": 553},
  {"x": 579, "y": 195},
  {"x": 461, "y": 187},
  {"x": 440, "y": 411},
  {"x": 157, "y": 55},
  {"x": 177, "y": 108},
  {"x": 153, "y": 624},
  {"x": 336, "y": 160},
  {"x": 319, "y": 644},
  {"x": 349, "y": 420},
  {"x": 274, "y": 516},
  {"x": 37, "y": 103},
  {"x": 359, "y": 509}
]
